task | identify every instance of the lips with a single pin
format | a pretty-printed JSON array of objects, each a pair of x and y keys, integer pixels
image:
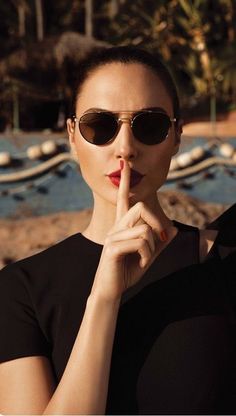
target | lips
[{"x": 135, "y": 178}]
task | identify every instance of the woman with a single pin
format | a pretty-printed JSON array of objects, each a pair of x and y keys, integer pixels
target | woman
[{"x": 123, "y": 318}]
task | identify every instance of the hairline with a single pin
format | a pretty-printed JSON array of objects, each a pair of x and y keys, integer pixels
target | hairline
[
  {"x": 131, "y": 55},
  {"x": 93, "y": 70}
]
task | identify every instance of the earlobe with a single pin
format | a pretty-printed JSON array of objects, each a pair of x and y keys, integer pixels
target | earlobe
[{"x": 71, "y": 131}]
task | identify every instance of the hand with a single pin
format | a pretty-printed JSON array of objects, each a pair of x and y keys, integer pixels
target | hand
[{"x": 131, "y": 245}]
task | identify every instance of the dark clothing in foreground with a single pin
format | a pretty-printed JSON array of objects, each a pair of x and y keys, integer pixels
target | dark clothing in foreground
[
  {"x": 175, "y": 343},
  {"x": 226, "y": 224}
]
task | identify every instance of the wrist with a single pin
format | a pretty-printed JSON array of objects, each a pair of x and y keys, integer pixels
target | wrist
[{"x": 98, "y": 298}]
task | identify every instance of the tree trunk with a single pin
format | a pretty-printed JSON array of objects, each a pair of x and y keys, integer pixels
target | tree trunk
[
  {"x": 205, "y": 59},
  {"x": 39, "y": 19},
  {"x": 230, "y": 18},
  {"x": 113, "y": 8},
  {"x": 16, "y": 111},
  {"x": 89, "y": 18},
  {"x": 21, "y": 20}
]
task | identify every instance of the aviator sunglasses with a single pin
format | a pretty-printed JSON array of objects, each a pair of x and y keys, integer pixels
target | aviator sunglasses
[{"x": 101, "y": 127}]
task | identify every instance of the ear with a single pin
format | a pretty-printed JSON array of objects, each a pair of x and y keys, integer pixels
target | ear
[
  {"x": 71, "y": 134},
  {"x": 178, "y": 133}
]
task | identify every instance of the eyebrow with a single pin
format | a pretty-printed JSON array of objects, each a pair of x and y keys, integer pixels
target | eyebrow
[{"x": 135, "y": 111}]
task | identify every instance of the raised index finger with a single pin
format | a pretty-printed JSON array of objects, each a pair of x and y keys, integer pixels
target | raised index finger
[{"x": 122, "y": 205}]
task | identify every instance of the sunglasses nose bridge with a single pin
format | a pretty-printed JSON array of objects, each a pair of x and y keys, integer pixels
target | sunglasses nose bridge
[
  {"x": 125, "y": 143},
  {"x": 125, "y": 120}
]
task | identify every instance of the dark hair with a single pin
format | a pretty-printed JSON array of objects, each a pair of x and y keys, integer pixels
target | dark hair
[{"x": 126, "y": 55}]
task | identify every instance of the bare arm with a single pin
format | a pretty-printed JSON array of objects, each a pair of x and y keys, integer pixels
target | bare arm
[
  {"x": 26, "y": 385},
  {"x": 83, "y": 387}
]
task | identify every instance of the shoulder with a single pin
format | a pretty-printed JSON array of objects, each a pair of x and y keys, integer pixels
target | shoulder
[
  {"x": 53, "y": 269},
  {"x": 60, "y": 252},
  {"x": 50, "y": 264}
]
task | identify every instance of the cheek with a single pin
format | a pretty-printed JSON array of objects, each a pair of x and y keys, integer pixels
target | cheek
[
  {"x": 161, "y": 157},
  {"x": 87, "y": 167},
  {"x": 159, "y": 165},
  {"x": 91, "y": 162},
  {"x": 84, "y": 156}
]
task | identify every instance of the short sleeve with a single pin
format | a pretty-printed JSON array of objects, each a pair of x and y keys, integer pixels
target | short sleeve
[{"x": 20, "y": 332}]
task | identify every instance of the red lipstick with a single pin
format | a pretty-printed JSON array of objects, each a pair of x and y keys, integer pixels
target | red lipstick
[{"x": 135, "y": 177}]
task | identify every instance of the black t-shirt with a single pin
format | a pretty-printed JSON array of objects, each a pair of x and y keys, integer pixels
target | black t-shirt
[{"x": 174, "y": 347}]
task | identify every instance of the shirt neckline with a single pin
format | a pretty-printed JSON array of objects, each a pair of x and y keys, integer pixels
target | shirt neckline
[{"x": 175, "y": 223}]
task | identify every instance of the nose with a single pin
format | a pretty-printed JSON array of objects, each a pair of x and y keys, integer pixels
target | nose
[{"x": 126, "y": 146}]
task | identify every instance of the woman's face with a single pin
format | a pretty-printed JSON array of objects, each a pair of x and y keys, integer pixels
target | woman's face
[{"x": 122, "y": 87}]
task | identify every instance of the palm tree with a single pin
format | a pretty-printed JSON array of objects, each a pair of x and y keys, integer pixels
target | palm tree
[
  {"x": 89, "y": 18},
  {"x": 219, "y": 64},
  {"x": 225, "y": 70},
  {"x": 22, "y": 9},
  {"x": 229, "y": 7},
  {"x": 184, "y": 34},
  {"x": 192, "y": 21},
  {"x": 113, "y": 8},
  {"x": 39, "y": 19}
]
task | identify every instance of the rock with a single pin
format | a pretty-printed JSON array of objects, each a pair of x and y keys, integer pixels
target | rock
[
  {"x": 34, "y": 152},
  {"x": 5, "y": 158},
  {"x": 49, "y": 147},
  {"x": 184, "y": 160},
  {"x": 197, "y": 153},
  {"x": 173, "y": 165},
  {"x": 226, "y": 150}
]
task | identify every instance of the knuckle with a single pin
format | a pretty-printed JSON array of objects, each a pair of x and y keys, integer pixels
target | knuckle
[
  {"x": 147, "y": 232},
  {"x": 146, "y": 229},
  {"x": 142, "y": 243},
  {"x": 140, "y": 205}
]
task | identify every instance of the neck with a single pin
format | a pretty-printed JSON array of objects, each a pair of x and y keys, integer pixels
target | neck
[{"x": 104, "y": 214}]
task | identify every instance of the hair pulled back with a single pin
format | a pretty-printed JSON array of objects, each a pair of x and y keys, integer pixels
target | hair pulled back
[{"x": 126, "y": 55}]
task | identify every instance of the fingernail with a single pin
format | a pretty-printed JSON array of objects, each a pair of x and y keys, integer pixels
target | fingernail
[
  {"x": 121, "y": 164},
  {"x": 163, "y": 235}
]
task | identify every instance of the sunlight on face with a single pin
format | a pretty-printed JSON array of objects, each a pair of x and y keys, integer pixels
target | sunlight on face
[{"x": 123, "y": 87}]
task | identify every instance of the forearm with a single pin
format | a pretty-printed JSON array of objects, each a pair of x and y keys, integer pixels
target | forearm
[{"x": 84, "y": 384}]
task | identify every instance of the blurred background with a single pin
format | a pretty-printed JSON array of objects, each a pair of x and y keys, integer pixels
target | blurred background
[{"x": 43, "y": 197}]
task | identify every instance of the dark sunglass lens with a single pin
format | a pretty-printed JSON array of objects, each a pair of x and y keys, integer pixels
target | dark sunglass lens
[
  {"x": 98, "y": 128},
  {"x": 151, "y": 128}
]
